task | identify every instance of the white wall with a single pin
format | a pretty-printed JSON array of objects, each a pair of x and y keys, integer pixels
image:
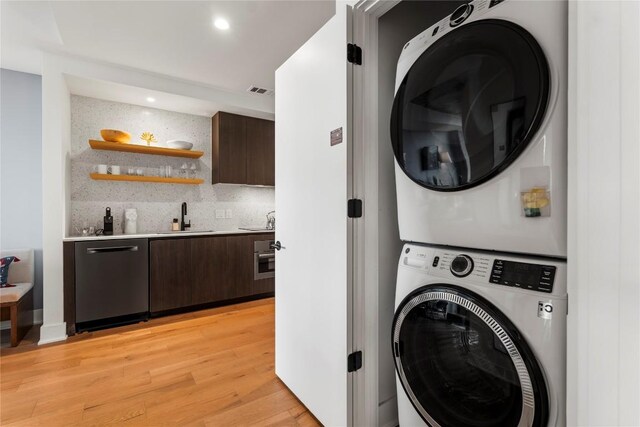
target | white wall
[
  {"x": 20, "y": 169},
  {"x": 604, "y": 214},
  {"x": 55, "y": 194}
]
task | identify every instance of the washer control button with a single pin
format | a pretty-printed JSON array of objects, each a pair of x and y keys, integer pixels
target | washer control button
[
  {"x": 435, "y": 261},
  {"x": 461, "y": 266}
]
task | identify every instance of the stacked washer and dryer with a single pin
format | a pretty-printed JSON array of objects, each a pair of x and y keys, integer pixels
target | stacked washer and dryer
[{"x": 479, "y": 132}]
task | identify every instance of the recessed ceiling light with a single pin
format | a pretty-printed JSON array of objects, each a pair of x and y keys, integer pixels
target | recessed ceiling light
[
  {"x": 221, "y": 24},
  {"x": 150, "y": 99}
]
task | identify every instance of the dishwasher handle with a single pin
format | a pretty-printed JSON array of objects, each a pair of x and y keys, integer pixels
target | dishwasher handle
[{"x": 112, "y": 249}]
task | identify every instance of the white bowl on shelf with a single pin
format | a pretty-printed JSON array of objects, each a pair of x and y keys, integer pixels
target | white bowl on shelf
[{"x": 179, "y": 144}]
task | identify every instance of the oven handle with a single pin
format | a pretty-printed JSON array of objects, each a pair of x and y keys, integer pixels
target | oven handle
[{"x": 266, "y": 256}]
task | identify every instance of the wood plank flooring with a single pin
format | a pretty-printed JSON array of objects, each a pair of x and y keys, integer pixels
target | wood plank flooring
[{"x": 210, "y": 368}]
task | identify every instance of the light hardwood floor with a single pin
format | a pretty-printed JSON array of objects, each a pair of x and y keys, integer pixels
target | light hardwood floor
[{"x": 210, "y": 368}]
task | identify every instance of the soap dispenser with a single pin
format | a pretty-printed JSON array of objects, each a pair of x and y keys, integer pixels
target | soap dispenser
[{"x": 108, "y": 223}]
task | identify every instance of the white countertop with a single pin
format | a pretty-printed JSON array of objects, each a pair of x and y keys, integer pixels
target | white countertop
[{"x": 164, "y": 235}]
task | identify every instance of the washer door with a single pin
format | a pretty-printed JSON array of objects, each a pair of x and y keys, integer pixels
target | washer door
[
  {"x": 469, "y": 105},
  {"x": 462, "y": 363}
]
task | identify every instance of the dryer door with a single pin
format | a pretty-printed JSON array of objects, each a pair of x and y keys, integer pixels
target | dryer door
[
  {"x": 469, "y": 105},
  {"x": 462, "y": 362}
]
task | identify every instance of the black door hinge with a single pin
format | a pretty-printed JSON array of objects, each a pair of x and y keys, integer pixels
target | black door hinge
[
  {"x": 354, "y": 208},
  {"x": 354, "y": 54},
  {"x": 354, "y": 361}
]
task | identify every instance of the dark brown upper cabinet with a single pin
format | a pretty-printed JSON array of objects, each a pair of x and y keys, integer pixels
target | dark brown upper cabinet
[{"x": 243, "y": 150}]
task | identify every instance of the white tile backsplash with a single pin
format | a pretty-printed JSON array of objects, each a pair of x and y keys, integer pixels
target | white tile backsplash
[{"x": 157, "y": 204}]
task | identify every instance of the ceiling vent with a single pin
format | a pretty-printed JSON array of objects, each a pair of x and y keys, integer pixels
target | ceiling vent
[{"x": 260, "y": 90}]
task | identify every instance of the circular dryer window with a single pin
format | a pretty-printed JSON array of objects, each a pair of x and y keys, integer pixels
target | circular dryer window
[
  {"x": 469, "y": 105},
  {"x": 462, "y": 363}
]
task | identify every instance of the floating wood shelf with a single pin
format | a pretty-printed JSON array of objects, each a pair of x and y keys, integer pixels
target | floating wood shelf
[
  {"x": 135, "y": 178},
  {"x": 143, "y": 149}
]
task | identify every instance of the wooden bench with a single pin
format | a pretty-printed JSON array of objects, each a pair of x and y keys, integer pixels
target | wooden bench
[{"x": 17, "y": 301}]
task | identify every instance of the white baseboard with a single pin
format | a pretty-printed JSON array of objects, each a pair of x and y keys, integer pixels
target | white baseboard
[
  {"x": 388, "y": 413},
  {"x": 52, "y": 333},
  {"x": 37, "y": 320}
]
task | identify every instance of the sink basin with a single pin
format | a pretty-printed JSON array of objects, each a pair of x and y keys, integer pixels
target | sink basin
[
  {"x": 186, "y": 232},
  {"x": 254, "y": 229}
]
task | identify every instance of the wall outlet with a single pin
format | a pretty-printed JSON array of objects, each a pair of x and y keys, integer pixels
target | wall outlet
[
  {"x": 219, "y": 213},
  {"x": 229, "y": 213}
]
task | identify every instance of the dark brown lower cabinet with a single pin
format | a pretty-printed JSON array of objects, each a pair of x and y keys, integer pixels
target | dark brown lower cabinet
[
  {"x": 170, "y": 274},
  {"x": 239, "y": 266},
  {"x": 201, "y": 270}
]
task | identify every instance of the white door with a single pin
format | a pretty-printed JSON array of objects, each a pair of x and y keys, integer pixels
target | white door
[{"x": 312, "y": 188}]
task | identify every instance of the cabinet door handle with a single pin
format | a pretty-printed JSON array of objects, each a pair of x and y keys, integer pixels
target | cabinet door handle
[{"x": 112, "y": 249}]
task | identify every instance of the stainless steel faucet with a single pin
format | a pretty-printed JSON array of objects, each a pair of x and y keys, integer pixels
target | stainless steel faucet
[
  {"x": 183, "y": 225},
  {"x": 271, "y": 220}
]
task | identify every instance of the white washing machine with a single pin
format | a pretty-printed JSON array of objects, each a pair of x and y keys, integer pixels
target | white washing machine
[
  {"x": 479, "y": 129},
  {"x": 479, "y": 339}
]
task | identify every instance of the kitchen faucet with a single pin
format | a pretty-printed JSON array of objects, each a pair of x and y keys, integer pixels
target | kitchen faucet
[
  {"x": 271, "y": 220},
  {"x": 183, "y": 225}
]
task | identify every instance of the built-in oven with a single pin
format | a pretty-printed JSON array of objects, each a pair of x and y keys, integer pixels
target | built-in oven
[{"x": 264, "y": 260}]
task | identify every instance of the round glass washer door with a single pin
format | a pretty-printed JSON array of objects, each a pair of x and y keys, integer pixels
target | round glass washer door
[
  {"x": 462, "y": 363},
  {"x": 469, "y": 105}
]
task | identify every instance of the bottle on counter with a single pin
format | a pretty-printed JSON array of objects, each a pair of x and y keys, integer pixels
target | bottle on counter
[{"x": 175, "y": 225}]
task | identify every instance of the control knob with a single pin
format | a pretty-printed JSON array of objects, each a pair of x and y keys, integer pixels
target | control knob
[
  {"x": 462, "y": 266},
  {"x": 460, "y": 14}
]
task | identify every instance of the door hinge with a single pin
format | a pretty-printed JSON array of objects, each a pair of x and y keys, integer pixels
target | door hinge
[
  {"x": 354, "y": 361},
  {"x": 354, "y": 53},
  {"x": 354, "y": 208}
]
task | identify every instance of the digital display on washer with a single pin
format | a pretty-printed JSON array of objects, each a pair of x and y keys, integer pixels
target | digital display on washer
[{"x": 535, "y": 277}]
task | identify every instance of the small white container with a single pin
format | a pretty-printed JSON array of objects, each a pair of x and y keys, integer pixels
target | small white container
[{"x": 130, "y": 221}]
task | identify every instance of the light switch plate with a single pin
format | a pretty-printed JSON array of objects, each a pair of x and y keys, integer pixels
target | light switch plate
[
  {"x": 229, "y": 213},
  {"x": 219, "y": 213}
]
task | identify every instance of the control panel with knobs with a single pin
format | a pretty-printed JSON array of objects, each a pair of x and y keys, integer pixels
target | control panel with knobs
[{"x": 462, "y": 265}]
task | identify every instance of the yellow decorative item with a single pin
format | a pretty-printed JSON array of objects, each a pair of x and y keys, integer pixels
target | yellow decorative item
[
  {"x": 113, "y": 135},
  {"x": 148, "y": 137},
  {"x": 534, "y": 200}
]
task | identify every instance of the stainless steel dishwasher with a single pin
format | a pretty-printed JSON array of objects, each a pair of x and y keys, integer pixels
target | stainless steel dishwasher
[{"x": 112, "y": 282}]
